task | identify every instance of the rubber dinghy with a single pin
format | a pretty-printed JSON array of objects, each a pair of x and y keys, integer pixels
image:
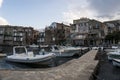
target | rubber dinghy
[{"x": 21, "y": 55}]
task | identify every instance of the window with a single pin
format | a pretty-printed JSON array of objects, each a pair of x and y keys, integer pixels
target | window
[
  {"x": 44, "y": 34},
  {"x": 21, "y": 34},
  {"x": 14, "y": 30},
  {"x": 97, "y": 26},
  {"x": 40, "y": 40},
  {"x": 21, "y": 39},
  {"x": 1, "y": 32},
  {"x": 43, "y": 40},
  {"x": 53, "y": 38},
  {"x": 29, "y": 34},
  {"x": 15, "y": 34},
  {"x": 1, "y": 37},
  {"x": 15, "y": 39}
]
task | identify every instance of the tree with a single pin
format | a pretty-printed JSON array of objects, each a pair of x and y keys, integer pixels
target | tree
[{"x": 115, "y": 36}]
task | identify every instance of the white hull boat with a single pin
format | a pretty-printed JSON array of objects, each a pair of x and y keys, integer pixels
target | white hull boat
[
  {"x": 65, "y": 51},
  {"x": 114, "y": 55},
  {"x": 116, "y": 62},
  {"x": 112, "y": 49},
  {"x": 29, "y": 57}
]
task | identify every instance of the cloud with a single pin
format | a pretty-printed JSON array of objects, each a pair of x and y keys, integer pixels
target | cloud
[
  {"x": 106, "y": 8},
  {"x": 98, "y": 9},
  {"x": 2, "y": 20},
  {"x": 77, "y": 9},
  {"x": 1, "y": 1}
]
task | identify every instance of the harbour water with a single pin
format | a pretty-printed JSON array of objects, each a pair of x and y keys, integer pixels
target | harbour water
[{"x": 106, "y": 70}]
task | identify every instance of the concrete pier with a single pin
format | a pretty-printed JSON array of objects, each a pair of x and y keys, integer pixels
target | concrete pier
[
  {"x": 2, "y": 55},
  {"x": 77, "y": 69}
]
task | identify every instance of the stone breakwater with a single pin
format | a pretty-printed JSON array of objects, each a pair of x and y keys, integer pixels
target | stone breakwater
[{"x": 77, "y": 69}]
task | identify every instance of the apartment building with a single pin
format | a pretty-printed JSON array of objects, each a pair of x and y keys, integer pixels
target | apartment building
[
  {"x": 87, "y": 32},
  {"x": 2, "y": 30},
  {"x": 112, "y": 25},
  {"x": 15, "y": 35},
  {"x": 41, "y": 39},
  {"x": 35, "y": 36},
  {"x": 29, "y": 32},
  {"x": 8, "y": 36},
  {"x": 49, "y": 36},
  {"x": 19, "y": 36},
  {"x": 57, "y": 33}
]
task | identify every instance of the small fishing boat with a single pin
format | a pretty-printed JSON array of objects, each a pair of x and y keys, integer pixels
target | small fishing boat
[{"x": 22, "y": 55}]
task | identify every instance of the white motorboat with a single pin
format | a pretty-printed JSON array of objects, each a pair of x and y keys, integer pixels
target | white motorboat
[
  {"x": 112, "y": 49},
  {"x": 114, "y": 55},
  {"x": 33, "y": 46},
  {"x": 63, "y": 51},
  {"x": 22, "y": 55},
  {"x": 73, "y": 50},
  {"x": 116, "y": 62},
  {"x": 95, "y": 48}
]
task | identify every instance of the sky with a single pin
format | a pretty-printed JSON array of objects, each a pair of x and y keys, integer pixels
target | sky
[{"x": 41, "y": 13}]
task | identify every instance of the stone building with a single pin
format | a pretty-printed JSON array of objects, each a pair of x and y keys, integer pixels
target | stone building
[
  {"x": 19, "y": 36},
  {"x": 87, "y": 32},
  {"x": 15, "y": 35},
  {"x": 49, "y": 36},
  {"x": 41, "y": 39},
  {"x": 2, "y": 32},
  {"x": 112, "y": 25},
  {"x": 57, "y": 33},
  {"x": 35, "y": 36},
  {"x": 29, "y": 31}
]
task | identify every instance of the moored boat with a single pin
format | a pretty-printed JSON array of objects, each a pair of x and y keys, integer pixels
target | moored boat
[
  {"x": 116, "y": 62},
  {"x": 114, "y": 55},
  {"x": 22, "y": 55},
  {"x": 63, "y": 51}
]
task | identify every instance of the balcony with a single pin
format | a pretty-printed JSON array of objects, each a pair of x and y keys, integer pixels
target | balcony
[
  {"x": 18, "y": 39},
  {"x": 8, "y": 38},
  {"x": 1, "y": 33},
  {"x": 8, "y": 34},
  {"x": 93, "y": 37},
  {"x": 18, "y": 34}
]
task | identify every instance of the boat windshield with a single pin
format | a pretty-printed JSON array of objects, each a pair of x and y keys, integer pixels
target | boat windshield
[
  {"x": 35, "y": 50},
  {"x": 20, "y": 50},
  {"x": 56, "y": 48},
  {"x": 47, "y": 49}
]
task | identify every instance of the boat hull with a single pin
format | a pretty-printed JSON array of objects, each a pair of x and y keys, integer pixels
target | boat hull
[
  {"x": 113, "y": 56},
  {"x": 66, "y": 54},
  {"x": 45, "y": 60},
  {"x": 116, "y": 63}
]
